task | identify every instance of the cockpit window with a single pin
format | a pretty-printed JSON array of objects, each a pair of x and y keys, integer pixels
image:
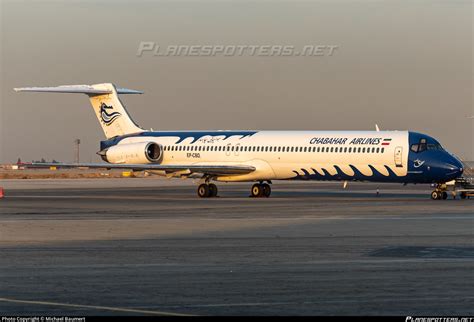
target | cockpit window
[
  {"x": 423, "y": 146},
  {"x": 435, "y": 147}
]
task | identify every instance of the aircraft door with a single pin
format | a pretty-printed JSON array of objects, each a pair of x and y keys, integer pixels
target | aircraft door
[
  {"x": 227, "y": 149},
  {"x": 399, "y": 157},
  {"x": 237, "y": 148}
]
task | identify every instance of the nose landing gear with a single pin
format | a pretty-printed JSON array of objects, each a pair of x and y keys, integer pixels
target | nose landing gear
[{"x": 440, "y": 193}]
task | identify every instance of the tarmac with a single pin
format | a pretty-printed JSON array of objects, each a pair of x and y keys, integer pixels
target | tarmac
[{"x": 148, "y": 246}]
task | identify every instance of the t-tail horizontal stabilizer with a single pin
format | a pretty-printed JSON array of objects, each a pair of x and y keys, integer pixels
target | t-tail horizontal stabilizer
[{"x": 108, "y": 108}]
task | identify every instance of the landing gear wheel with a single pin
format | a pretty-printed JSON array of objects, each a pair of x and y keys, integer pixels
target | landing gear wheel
[
  {"x": 444, "y": 195},
  {"x": 212, "y": 190},
  {"x": 257, "y": 190},
  {"x": 463, "y": 195},
  {"x": 267, "y": 191},
  {"x": 435, "y": 195},
  {"x": 203, "y": 190}
]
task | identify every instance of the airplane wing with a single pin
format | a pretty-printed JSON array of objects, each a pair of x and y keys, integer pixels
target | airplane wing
[{"x": 169, "y": 168}]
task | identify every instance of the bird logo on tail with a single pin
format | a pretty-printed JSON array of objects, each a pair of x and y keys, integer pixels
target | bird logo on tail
[{"x": 108, "y": 118}]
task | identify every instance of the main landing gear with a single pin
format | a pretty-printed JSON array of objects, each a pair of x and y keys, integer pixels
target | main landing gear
[
  {"x": 261, "y": 190},
  {"x": 207, "y": 190}
]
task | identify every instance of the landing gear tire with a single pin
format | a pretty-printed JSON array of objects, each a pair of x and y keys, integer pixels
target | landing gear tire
[
  {"x": 260, "y": 190},
  {"x": 435, "y": 195},
  {"x": 257, "y": 190},
  {"x": 212, "y": 190},
  {"x": 444, "y": 195},
  {"x": 207, "y": 190},
  {"x": 267, "y": 190},
  {"x": 203, "y": 191},
  {"x": 463, "y": 195}
]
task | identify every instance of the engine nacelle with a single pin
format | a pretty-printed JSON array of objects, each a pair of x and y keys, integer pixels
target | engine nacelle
[{"x": 139, "y": 153}]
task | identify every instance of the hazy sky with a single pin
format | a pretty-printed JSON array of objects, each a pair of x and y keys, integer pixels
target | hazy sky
[{"x": 400, "y": 64}]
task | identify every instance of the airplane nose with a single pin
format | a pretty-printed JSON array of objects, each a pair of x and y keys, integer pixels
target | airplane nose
[{"x": 455, "y": 167}]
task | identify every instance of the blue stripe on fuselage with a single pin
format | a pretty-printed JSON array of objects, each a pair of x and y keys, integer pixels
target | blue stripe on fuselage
[{"x": 181, "y": 135}]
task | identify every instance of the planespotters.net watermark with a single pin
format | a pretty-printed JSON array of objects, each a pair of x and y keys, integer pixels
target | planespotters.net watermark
[
  {"x": 439, "y": 319},
  {"x": 151, "y": 48}
]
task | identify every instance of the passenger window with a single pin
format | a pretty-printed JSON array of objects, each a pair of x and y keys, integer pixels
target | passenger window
[{"x": 383, "y": 149}]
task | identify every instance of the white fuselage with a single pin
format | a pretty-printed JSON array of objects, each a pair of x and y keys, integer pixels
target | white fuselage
[{"x": 280, "y": 155}]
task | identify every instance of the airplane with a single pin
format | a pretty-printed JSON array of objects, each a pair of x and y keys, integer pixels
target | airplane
[{"x": 260, "y": 157}]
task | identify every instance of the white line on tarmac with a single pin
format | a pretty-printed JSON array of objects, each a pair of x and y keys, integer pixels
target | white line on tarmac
[
  {"x": 108, "y": 308},
  {"x": 341, "y": 302}
]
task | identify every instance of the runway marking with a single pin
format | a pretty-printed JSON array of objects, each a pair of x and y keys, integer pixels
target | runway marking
[{"x": 108, "y": 308}]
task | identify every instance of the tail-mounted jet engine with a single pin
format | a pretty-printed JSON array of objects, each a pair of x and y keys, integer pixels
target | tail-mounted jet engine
[{"x": 138, "y": 153}]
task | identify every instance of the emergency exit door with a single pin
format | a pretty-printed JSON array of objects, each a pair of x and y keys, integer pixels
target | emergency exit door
[{"x": 399, "y": 157}]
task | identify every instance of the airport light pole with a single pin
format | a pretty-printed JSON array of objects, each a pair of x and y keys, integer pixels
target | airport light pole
[
  {"x": 472, "y": 137},
  {"x": 77, "y": 142}
]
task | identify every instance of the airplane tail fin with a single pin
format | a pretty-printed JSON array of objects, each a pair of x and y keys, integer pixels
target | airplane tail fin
[{"x": 110, "y": 111}]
